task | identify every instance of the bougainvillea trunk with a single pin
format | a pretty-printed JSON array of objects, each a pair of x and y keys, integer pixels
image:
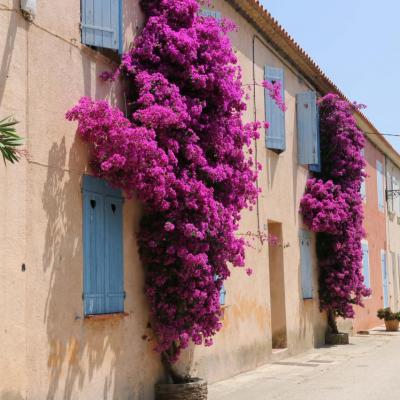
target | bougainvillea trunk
[{"x": 332, "y": 207}]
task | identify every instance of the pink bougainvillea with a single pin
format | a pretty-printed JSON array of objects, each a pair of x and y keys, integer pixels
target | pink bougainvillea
[
  {"x": 181, "y": 152},
  {"x": 332, "y": 206}
]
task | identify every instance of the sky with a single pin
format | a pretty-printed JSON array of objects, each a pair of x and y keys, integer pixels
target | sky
[{"x": 357, "y": 44}]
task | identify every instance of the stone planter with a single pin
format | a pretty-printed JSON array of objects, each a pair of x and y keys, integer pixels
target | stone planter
[
  {"x": 337, "y": 338},
  {"x": 392, "y": 325},
  {"x": 194, "y": 390}
]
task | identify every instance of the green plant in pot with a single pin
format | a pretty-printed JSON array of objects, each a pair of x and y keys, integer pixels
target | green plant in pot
[{"x": 392, "y": 319}]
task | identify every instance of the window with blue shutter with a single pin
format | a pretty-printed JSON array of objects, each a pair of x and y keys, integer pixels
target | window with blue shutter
[
  {"x": 306, "y": 264},
  {"x": 103, "y": 271},
  {"x": 222, "y": 292},
  {"x": 275, "y": 135},
  {"x": 379, "y": 174},
  {"x": 363, "y": 189},
  {"x": 307, "y": 129},
  {"x": 101, "y": 23},
  {"x": 206, "y": 12},
  {"x": 365, "y": 265},
  {"x": 222, "y": 296},
  {"x": 317, "y": 167},
  {"x": 391, "y": 183}
]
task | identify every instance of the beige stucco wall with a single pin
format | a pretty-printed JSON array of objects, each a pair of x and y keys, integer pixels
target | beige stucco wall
[
  {"x": 393, "y": 234},
  {"x": 48, "y": 349}
]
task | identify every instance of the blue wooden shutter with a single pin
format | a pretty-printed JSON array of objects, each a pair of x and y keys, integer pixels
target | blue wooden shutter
[
  {"x": 275, "y": 134},
  {"x": 363, "y": 188},
  {"x": 385, "y": 279},
  {"x": 317, "y": 167},
  {"x": 93, "y": 245},
  {"x": 206, "y": 12},
  {"x": 307, "y": 128},
  {"x": 114, "y": 255},
  {"x": 379, "y": 174},
  {"x": 102, "y": 23},
  {"x": 222, "y": 296},
  {"x": 103, "y": 285},
  {"x": 306, "y": 264},
  {"x": 365, "y": 265}
]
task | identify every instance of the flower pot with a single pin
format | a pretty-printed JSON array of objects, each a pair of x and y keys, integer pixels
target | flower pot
[
  {"x": 194, "y": 390},
  {"x": 392, "y": 325}
]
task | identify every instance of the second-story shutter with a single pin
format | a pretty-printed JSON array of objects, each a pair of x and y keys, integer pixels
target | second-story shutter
[
  {"x": 307, "y": 128},
  {"x": 363, "y": 188},
  {"x": 275, "y": 134},
  {"x": 380, "y": 183},
  {"x": 207, "y": 12},
  {"x": 101, "y": 23}
]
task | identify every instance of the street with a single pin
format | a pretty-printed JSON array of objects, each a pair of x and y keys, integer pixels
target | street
[{"x": 367, "y": 369}]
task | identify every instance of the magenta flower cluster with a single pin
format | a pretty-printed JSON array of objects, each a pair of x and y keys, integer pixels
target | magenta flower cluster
[
  {"x": 275, "y": 92},
  {"x": 182, "y": 153},
  {"x": 332, "y": 206}
]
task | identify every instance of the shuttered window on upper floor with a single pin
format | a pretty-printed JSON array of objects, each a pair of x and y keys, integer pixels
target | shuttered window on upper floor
[
  {"x": 103, "y": 272},
  {"x": 392, "y": 185},
  {"x": 365, "y": 265},
  {"x": 308, "y": 141},
  {"x": 380, "y": 188},
  {"x": 101, "y": 23},
  {"x": 363, "y": 188},
  {"x": 275, "y": 135},
  {"x": 306, "y": 264},
  {"x": 207, "y": 12}
]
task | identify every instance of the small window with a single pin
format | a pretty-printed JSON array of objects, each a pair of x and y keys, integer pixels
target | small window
[
  {"x": 101, "y": 24},
  {"x": 306, "y": 264},
  {"x": 103, "y": 271}
]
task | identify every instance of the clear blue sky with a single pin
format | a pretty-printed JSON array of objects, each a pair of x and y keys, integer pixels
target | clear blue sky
[{"x": 357, "y": 44}]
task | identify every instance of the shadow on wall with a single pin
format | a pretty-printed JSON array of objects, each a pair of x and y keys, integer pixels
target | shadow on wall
[
  {"x": 93, "y": 358},
  {"x": 8, "y": 51}
]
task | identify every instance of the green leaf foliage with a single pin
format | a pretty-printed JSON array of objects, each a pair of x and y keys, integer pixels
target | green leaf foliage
[{"x": 9, "y": 140}]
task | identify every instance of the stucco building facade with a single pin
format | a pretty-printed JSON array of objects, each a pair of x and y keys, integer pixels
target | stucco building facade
[
  {"x": 393, "y": 232},
  {"x": 49, "y": 348}
]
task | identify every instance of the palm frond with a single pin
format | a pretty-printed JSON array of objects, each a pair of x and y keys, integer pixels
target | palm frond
[{"x": 9, "y": 140}]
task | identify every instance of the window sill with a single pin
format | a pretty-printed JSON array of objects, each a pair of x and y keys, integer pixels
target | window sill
[{"x": 104, "y": 317}]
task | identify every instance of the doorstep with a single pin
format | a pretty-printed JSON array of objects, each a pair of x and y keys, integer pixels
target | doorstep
[{"x": 279, "y": 354}]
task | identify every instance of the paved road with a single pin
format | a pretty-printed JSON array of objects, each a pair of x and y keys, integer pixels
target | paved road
[{"x": 367, "y": 369}]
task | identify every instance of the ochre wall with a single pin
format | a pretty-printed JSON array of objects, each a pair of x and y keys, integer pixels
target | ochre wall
[
  {"x": 393, "y": 238},
  {"x": 375, "y": 226},
  {"x": 49, "y": 351}
]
